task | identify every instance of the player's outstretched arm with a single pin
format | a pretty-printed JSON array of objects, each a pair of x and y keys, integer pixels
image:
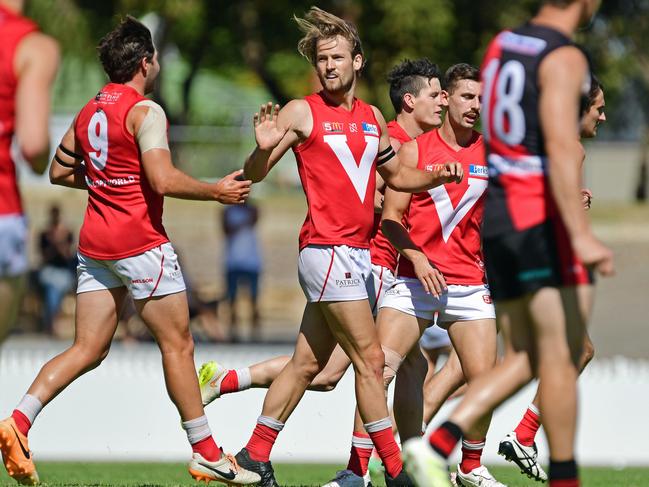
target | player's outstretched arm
[
  {"x": 399, "y": 172},
  {"x": 395, "y": 206},
  {"x": 561, "y": 76},
  {"x": 275, "y": 132},
  {"x": 148, "y": 123},
  {"x": 67, "y": 168},
  {"x": 36, "y": 64}
]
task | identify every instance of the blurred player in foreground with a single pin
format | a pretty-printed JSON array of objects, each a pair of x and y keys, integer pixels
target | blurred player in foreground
[
  {"x": 29, "y": 60},
  {"x": 536, "y": 236},
  {"x": 117, "y": 150},
  {"x": 519, "y": 445}
]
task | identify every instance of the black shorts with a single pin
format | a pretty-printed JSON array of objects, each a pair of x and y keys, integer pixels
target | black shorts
[{"x": 520, "y": 263}]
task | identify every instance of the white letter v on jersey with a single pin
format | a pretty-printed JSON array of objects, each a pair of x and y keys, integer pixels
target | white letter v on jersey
[
  {"x": 449, "y": 217},
  {"x": 359, "y": 174}
]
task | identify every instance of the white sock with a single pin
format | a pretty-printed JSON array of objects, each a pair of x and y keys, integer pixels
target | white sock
[
  {"x": 197, "y": 429},
  {"x": 271, "y": 422},
  {"x": 244, "y": 378},
  {"x": 30, "y": 406}
]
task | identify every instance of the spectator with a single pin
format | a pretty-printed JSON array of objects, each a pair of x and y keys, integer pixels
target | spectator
[
  {"x": 56, "y": 276},
  {"x": 242, "y": 262}
]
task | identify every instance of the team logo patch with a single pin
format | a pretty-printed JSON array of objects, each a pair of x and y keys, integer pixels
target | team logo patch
[
  {"x": 333, "y": 127},
  {"x": 370, "y": 128},
  {"x": 478, "y": 171},
  {"x": 348, "y": 275}
]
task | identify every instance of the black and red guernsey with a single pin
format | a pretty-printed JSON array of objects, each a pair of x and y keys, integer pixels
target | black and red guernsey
[{"x": 519, "y": 196}]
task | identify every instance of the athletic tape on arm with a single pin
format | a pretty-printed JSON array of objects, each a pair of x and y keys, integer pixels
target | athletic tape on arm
[{"x": 153, "y": 131}]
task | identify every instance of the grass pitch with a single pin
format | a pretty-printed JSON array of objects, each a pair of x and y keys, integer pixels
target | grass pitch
[{"x": 171, "y": 474}]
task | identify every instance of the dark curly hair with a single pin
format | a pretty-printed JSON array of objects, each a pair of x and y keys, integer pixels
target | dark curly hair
[
  {"x": 459, "y": 72},
  {"x": 410, "y": 77},
  {"x": 122, "y": 49}
]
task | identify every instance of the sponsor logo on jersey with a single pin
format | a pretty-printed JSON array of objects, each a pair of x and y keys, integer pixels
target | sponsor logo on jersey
[
  {"x": 478, "y": 171},
  {"x": 521, "y": 44},
  {"x": 98, "y": 183},
  {"x": 333, "y": 127},
  {"x": 108, "y": 98},
  {"x": 144, "y": 280},
  {"x": 370, "y": 128}
]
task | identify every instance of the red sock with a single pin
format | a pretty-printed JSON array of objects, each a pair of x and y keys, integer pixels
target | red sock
[
  {"x": 388, "y": 450},
  {"x": 527, "y": 428},
  {"x": 22, "y": 422},
  {"x": 471, "y": 454},
  {"x": 359, "y": 456},
  {"x": 207, "y": 448},
  {"x": 444, "y": 438},
  {"x": 230, "y": 382},
  {"x": 261, "y": 442},
  {"x": 564, "y": 483}
]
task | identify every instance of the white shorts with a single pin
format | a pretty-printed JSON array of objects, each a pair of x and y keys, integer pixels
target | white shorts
[
  {"x": 458, "y": 303},
  {"x": 13, "y": 245},
  {"x": 434, "y": 337},
  {"x": 382, "y": 280},
  {"x": 155, "y": 272},
  {"x": 334, "y": 273}
]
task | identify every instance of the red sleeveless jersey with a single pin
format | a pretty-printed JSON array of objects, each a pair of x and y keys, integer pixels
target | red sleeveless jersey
[
  {"x": 13, "y": 28},
  {"x": 445, "y": 221},
  {"x": 381, "y": 250},
  {"x": 337, "y": 165},
  {"x": 124, "y": 215}
]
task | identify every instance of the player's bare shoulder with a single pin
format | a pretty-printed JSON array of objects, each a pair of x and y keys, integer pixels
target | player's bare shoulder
[
  {"x": 409, "y": 153},
  {"x": 37, "y": 49},
  {"x": 564, "y": 62},
  {"x": 296, "y": 115}
]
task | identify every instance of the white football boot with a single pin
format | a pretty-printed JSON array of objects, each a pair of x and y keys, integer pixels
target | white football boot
[
  {"x": 210, "y": 376},
  {"x": 526, "y": 457},
  {"x": 424, "y": 465},
  {"x": 478, "y": 477},
  {"x": 224, "y": 470}
]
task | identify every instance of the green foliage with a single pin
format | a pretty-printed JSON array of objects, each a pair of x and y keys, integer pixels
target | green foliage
[{"x": 253, "y": 43}]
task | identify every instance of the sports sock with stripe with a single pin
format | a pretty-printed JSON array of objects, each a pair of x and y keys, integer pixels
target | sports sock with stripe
[
  {"x": 263, "y": 438},
  {"x": 445, "y": 438},
  {"x": 235, "y": 381},
  {"x": 471, "y": 455},
  {"x": 563, "y": 474},
  {"x": 360, "y": 453},
  {"x": 381, "y": 434},
  {"x": 200, "y": 438},
  {"x": 25, "y": 413}
]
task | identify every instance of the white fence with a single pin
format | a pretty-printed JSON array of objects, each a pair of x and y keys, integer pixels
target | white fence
[{"x": 120, "y": 411}]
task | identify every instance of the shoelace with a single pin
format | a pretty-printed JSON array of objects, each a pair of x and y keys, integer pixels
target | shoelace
[{"x": 233, "y": 461}]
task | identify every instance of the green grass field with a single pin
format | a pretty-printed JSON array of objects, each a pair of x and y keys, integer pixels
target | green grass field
[{"x": 169, "y": 474}]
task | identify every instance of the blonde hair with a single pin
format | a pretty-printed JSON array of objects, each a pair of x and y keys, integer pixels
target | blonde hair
[{"x": 317, "y": 25}]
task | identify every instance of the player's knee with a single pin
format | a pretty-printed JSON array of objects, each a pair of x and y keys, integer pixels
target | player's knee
[
  {"x": 392, "y": 363},
  {"x": 178, "y": 343},
  {"x": 90, "y": 357},
  {"x": 306, "y": 369}
]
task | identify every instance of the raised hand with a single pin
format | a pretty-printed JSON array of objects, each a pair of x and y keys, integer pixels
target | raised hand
[
  {"x": 232, "y": 189},
  {"x": 267, "y": 133}
]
